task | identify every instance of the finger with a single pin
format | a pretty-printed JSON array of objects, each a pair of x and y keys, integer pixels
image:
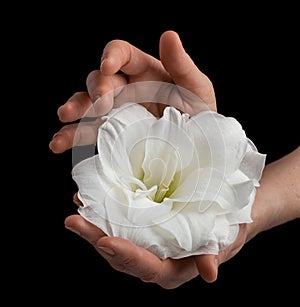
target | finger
[
  {"x": 207, "y": 267},
  {"x": 119, "y": 55},
  {"x": 85, "y": 229},
  {"x": 101, "y": 90},
  {"x": 131, "y": 259},
  {"x": 99, "y": 84},
  {"x": 77, "y": 134},
  {"x": 126, "y": 257},
  {"x": 75, "y": 107},
  {"x": 183, "y": 70},
  {"x": 136, "y": 66},
  {"x": 76, "y": 200}
]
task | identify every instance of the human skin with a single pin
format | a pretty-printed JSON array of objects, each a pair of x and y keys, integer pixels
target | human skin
[{"x": 277, "y": 199}]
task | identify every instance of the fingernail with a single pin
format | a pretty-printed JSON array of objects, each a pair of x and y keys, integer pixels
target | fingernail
[
  {"x": 73, "y": 230},
  {"x": 106, "y": 250}
]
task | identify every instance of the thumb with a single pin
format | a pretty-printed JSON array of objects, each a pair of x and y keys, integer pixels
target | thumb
[
  {"x": 183, "y": 70},
  {"x": 207, "y": 266}
]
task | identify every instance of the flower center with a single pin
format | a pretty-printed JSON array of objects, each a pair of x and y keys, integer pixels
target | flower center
[
  {"x": 156, "y": 172},
  {"x": 155, "y": 192},
  {"x": 165, "y": 190},
  {"x": 155, "y": 185}
]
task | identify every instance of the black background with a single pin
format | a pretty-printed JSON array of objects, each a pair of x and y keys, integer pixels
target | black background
[{"x": 251, "y": 55}]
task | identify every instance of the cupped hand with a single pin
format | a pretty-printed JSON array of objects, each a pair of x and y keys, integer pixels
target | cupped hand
[
  {"x": 126, "y": 257},
  {"x": 123, "y": 64}
]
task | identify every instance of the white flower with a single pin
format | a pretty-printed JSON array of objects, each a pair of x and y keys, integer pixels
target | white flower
[{"x": 178, "y": 185}]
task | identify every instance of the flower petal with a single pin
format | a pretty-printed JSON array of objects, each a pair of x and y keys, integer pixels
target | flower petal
[
  {"x": 142, "y": 211},
  {"x": 220, "y": 141},
  {"x": 121, "y": 140},
  {"x": 94, "y": 190},
  {"x": 189, "y": 228},
  {"x": 253, "y": 163},
  {"x": 168, "y": 148},
  {"x": 209, "y": 186}
]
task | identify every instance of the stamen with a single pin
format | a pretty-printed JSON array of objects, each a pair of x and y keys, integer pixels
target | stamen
[{"x": 164, "y": 186}]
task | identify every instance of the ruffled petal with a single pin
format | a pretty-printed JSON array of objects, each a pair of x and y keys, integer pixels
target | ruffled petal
[
  {"x": 253, "y": 163},
  {"x": 142, "y": 211},
  {"x": 188, "y": 228},
  {"x": 220, "y": 141},
  {"x": 168, "y": 148},
  {"x": 121, "y": 140},
  {"x": 209, "y": 186},
  {"x": 93, "y": 184},
  {"x": 96, "y": 190}
]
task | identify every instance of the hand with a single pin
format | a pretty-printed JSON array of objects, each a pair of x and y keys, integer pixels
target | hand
[
  {"x": 136, "y": 66},
  {"x": 128, "y": 258},
  {"x": 177, "y": 67}
]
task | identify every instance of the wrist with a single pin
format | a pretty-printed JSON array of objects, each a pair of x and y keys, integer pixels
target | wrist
[
  {"x": 277, "y": 199},
  {"x": 265, "y": 210}
]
